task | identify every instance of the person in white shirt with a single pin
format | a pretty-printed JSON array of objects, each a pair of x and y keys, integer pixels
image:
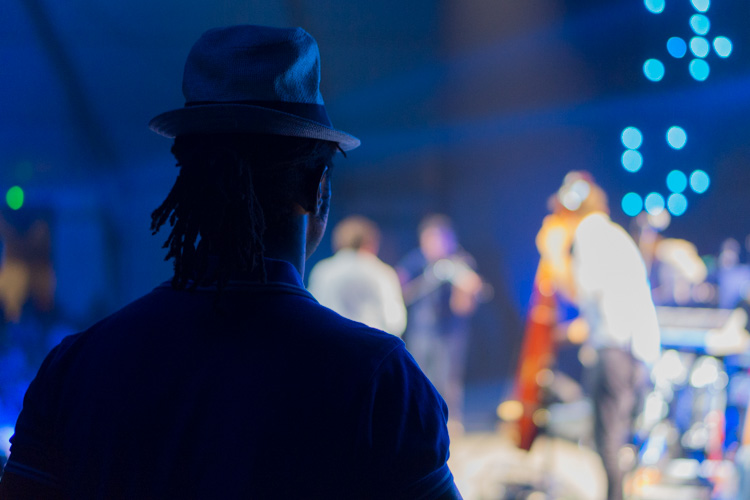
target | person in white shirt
[
  {"x": 602, "y": 271},
  {"x": 355, "y": 283}
]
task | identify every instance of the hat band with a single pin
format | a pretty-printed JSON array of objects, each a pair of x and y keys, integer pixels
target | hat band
[{"x": 314, "y": 112}]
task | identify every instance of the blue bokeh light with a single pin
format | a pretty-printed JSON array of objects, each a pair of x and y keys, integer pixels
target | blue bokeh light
[
  {"x": 632, "y": 160},
  {"x": 654, "y": 6},
  {"x": 676, "y": 137},
  {"x": 699, "y": 181},
  {"x": 699, "y": 46},
  {"x": 631, "y": 138},
  {"x": 632, "y": 204},
  {"x": 701, "y": 5},
  {"x": 677, "y": 181},
  {"x": 676, "y": 47},
  {"x": 722, "y": 46},
  {"x": 654, "y": 203},
  {"x": 653, "y": 69},
  {"x": 677, "y": 204},
  {"x": 699, "y": 69},
  {"x": 700, "y": 24}
]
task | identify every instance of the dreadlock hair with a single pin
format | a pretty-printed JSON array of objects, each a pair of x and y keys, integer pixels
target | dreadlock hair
[{"x": 229, "y": 189}]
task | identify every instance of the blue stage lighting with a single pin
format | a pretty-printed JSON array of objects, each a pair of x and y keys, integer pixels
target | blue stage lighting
[
  {"x": 699, "y": 46},
  {"x": 653, "y": 69},
  {"x": 677, "y": 204},
  {"x": 632, "y": 160},
  {"x": 654, "y": 203},
  {"x": 676, "y": 47},
  {"x": 676, "y": 137},
  {"x": 701, "y": 5},
  {"x": 632, "y": 138},
  {"x": 632, "y": 204},
  {"x": 676, "y": 181},
  {"x": 699, "y": 181},
  {"x": 655, "y": 6},
  {"x": 722, "y": 46},
  {"x": 700, "y": 24},
  {"x": 699, "y": 69}
]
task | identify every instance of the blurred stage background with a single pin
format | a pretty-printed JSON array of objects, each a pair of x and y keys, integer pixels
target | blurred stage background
[{"x": 473, "y": 108}]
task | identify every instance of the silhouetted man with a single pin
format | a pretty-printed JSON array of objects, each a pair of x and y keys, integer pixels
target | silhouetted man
[{"x": 232, "y": 381}]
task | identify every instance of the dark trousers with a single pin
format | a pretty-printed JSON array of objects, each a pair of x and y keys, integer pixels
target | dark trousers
[{"x": 614, "y": 393}]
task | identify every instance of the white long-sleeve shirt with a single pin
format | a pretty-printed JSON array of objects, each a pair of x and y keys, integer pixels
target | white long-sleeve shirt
[
  {"x": 361, "y": 287},
  {"x": 612, "y": 288}
]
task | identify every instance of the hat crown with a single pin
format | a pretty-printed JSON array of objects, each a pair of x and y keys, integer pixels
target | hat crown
[{"x": 253, "y": 63}]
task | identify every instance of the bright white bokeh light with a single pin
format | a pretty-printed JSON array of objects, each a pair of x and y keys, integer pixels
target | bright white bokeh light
[
  {"x": 677, "y": 181},
  {"x": 632, "y": 204},
  {"x": 699, "y": 181},
  {"x": 699, "y": 46},
  {"x": 653, "y": 69},
  {"x": 632, "y": 161},
  {"x": 700, "y": 24},
  {"x": 654, "y": 6},
  {"x": 676, "y": 137},
  {"x": 654, "y": 203},
  {"x": 632, "y": 138},
  {"x": 677, "y": 204},
  {"x": 575, "y": 195},
  {"x": 699, "y": 69},
  {"x": 701, "y": 5},
  {"x": 676, "y": 47},
  {"x": 705, "y": 372},
  {"x": 722, "y": 46}
]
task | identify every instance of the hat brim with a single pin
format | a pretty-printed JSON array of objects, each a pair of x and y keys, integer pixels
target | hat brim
[{"x": 228, "y": 118}]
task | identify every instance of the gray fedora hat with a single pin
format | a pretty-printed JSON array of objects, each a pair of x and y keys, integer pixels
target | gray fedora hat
[{"x": 253, "y": 79}]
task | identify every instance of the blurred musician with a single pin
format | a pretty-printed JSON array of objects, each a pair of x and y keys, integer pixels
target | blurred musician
[
  {"x": 355, "y": 283},
  {"x": 442, "y": 291},
  {"x": 598, "y": 265}
]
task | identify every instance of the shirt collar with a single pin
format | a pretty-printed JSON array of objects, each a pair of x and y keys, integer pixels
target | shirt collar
[{"x": 280, "y": 275}]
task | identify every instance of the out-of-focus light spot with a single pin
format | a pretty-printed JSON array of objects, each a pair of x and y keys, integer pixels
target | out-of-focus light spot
[
  {"x": 705, "y": 372},
  {"x": 699, "y": 69},
  {"x": 582, "y": 188},
  {"x": 653, "y": 69},
  {"x": 701, "y": 5},
  {"x": 676, "y": 137},
  {"x": 510, "y": 411},
  {"x": 655, "y": 6},
  {"x": 677, "y": 204},
  {"x": 654, "y": 203},
  {"x": 571, "y": 200},
  {"x": 541, "y": 417},
  {"x": 699, "y": 181},
  {"x": 699, "y": 46},
  {"x": 632, "y": 204},
  {"x": 444, "y": 269},
  {"x": 700, "y": 24},
  {"x": 676, "y": 181},
  {"x": 722, "y": 46},
  {"x": 659, "y": 221},
  {"x": 632, "y": 160},
  {"x": 14, "y": 197},
  {"x": 670, "y": 368},
  {"x": 676, "y": 47},
  {"x": 632, "y": 138}
]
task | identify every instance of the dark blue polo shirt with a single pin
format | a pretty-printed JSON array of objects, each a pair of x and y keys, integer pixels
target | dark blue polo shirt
[{"x": 261, "y": 394}]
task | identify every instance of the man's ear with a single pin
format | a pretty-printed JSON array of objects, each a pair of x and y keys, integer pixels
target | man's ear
[{"x": 323, "y": 192}]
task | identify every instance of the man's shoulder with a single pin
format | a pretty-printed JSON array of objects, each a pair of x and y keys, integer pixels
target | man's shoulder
[{"x": 329, "y": 323}]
